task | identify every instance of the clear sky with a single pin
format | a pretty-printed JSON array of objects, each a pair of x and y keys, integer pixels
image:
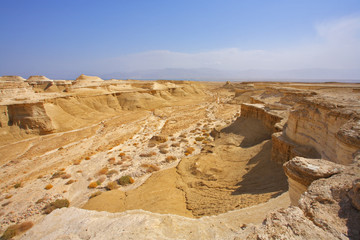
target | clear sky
[{"x": 64, "y": 38}]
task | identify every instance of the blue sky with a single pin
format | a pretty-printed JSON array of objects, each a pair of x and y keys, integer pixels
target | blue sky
[{"x": 65, "y": 38}]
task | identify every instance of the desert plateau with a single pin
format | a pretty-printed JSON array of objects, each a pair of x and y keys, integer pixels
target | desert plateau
[{"x": 134, "y": 159}]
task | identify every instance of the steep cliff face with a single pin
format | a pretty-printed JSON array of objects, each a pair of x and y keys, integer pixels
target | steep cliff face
[
  {"x": 331, "y": 129},
  {"x": 259, "y": 111},
  {"x": 32, "y": 117}
]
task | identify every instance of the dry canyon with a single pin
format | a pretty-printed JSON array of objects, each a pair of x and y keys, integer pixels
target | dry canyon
[{"x": 129, "y": 159}]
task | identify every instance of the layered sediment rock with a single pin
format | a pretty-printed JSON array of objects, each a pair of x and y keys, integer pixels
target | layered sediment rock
[
  {"x": 331, "y": 129},
  {"x": 301, "y": 172}
]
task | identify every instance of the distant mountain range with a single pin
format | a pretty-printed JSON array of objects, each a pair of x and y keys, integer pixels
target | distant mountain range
[{"x": 203, "y": 74}]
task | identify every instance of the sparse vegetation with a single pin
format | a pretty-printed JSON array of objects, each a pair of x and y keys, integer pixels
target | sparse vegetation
[
  {"x": 125, "y": 180},
  {"x": 150, "y": 145},
  {"x": 170, "y": 158},
  {"x": 175, "y": 145},
  {"x": 70, "y": 182},
  {"x": 66, "y": 176},
  {"x": 95, "y": 194},
  {"x": 189, "y": 151},
  {"x": 59, "y": 203},
  {"x": 17, "y": 185},
  {"x": 14, "y": 230},
  {"x": 93, "y": 185},
  {"x": 100, "y": 180},
  {"x": 112, "y": 185},
  {"x": 121, "y": 154},
  {"x": 159, "y": 139},
  {"x": 198, "y": 139},
  {"x": 8, "y": 196},
  {"x": 150, "y": 154},
  {"x": 111, "y": 172},
  {"x": 58, "y": 174},
  {"x": 163, "y": 151},
  {"x": 150, "y": 167},
  {"x": 87, "y": 158},
  {"x": 111, "y": 160},
  {"x": 102, "y": 171},
  {"x": 49, "y": 186},
  {"x": 77, "y": 162}
]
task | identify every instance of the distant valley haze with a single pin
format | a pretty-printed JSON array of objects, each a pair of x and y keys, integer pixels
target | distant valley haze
[{"x": 192, "y": 40}]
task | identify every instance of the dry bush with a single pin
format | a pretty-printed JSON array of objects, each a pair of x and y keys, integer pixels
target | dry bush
[
  {"x": 59, "y": 203},
  {"x": 175, "y": 145},
  {"x": 102, "y": 171},
  {"x": 93, "y": 185},
  {"x": 159, "y": 139},
  {"x": 111, "y": 160},
  {"x": 62, "y": 169},
  {"x": 163, "y": 151},
  {"x": 121, "y": 154},
  {"x": 150, "y": 154},
  {"x": 150, "y": 167},
  {"x": 182, "y": 135},
  {"x": 184, "y": 140},
  {"x": 170, "y": 158},
  {"x": 112, "y": 185},
  {"x": 111, "y": 172},
  {"x": 100, "y": 180},
  {"x": 151, "y": 144},
  {"x": 164, "y": 145},
  {"x": 95, "y": 194},
  {"x": 70, "y": 182},
  {"x": 14, "y": 230},
  {"x": 198, "y": 139},
  {"x": 58, "y": 174},
  {"x": 135, "y": 144},
  {"x": 125, "y": 180},
  {"x": 206, "y": 134},
  {"x": 189, "y": 151},
  {"x": 77, "y": 162},
  {"x": 49, "y": 186},
  {"x": 66, "y": 176},
  {"x": 87, "y": 158},
  {"x": 17, "y": 185},
  {"x": 126, "y": 158},
  {"x": 8, "y": 196},
  {"x": 79, "y": 171}
]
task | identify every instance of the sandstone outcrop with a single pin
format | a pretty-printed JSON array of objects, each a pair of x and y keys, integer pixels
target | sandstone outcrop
[
  {"x": 12, "y": 78},
  {"x": 301, "y": 172}
]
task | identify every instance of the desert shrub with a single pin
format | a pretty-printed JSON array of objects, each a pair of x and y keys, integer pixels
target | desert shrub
[
  {"x": 95, "y": 194},
  {"x": 121, "y": 154},
  {"x": 14, "y": 230},
  {"x": 93, "y": 185},
  {"x": 175, "y": 145},
  {"x": 206, "y": 134},
  {"x": 189, "y": 150},
  {"x": 159, "y": 139},
  {"x": 163, "y": 151},
  {"x": 87, "y": 158},
  {"x": 184, "y": 140},
  {"x": 103, "y": 171},
  {"x": 164, "y": 145},
  {"x": 8, "y": 196},
  {"x": 49, "y": 186},
  {"x": 112, "y": 185},
  {"x": 70, "y": 182},
  {"x": 151, "y": 144},
  {"x": 182, "y": 135},
  {"x": 150, "y": 154},
  {"x": 58, "y": 174},
  {"x": 60, "y": 148},
  {"x": 58, "y": 203},
  {"x": 198, "y": 139},
  {"x": 135, "y": 144},
  {"x": 100, "y": 180},
  {"x": 17, "y": 185},
  {"x": 79, "y": 171},
  {"x": 77, "y": 162},
  {"x": 125, "y": 180},
  {"x": 66, "y": 176},
  {"x": 170, "y": 158},
  {"x": 111, "y": 172},
  {"x": 150, "y": 167},
  {"x": 111, "y": 160}
]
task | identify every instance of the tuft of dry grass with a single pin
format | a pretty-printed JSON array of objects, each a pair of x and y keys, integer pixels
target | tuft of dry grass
[
  {"x": 122, "y": 154},
  {"x": 49, "y": 186},
  {"x": 77, "y": 162},
  {"x": 58, "y": 174},
  {"x": 17, "y": 185},
  {"x": 125, "y": 180},
  {"x": 111, "y": 172},
  {"x": 8, "y": 196},
  {"x": 112, "y": 185},
  {"x": 170, "y": 158},
  {"x": 59, "y": 203},
  {"x": 14, "y": 230},
  {"x": 93, "y": 185},
  {"x": 95, "y": 194},
  {"x": 70, "y": 182},
  {"x": 66, "y": 176},
  {"x": 198, "y": 139},
  {"x": 87, "y": 158},
  {"x": 101, "y": 180},
  {"x": 103, "y": 171},
  {"x": 150, "y": 167}
]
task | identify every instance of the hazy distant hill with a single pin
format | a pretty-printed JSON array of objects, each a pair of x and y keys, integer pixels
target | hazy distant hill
[{"x": 213, "y": 74}]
